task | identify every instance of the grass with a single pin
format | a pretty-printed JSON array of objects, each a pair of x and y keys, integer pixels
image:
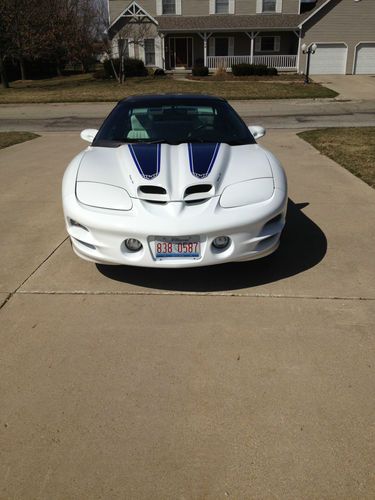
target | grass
[
  {"x": 10, "y": 138},
  {"x": 84, "y": 88},
  {"x": 353, "y": 148}
]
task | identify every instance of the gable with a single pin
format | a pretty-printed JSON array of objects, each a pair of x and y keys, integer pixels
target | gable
[{"x": 132, "y": 14}]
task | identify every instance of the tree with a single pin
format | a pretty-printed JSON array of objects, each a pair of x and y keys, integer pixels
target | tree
[
  {"x": 21, "y": 28},
  {"x": 4, "y": 47},
  {"x": 132, "y": 34},
  {"x": 53, "y": 30}
]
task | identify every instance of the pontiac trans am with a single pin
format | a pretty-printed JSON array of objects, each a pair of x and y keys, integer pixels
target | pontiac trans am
[{"x": 174, "y": 181}]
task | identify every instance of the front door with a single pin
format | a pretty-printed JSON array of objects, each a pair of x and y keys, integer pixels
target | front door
[{"x": 181, "y": 52}]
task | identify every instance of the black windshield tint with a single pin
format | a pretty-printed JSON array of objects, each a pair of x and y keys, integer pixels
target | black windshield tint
[{"x": 173, "y": 122}]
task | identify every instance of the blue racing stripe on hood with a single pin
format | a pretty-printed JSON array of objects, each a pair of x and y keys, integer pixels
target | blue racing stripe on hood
[
  {"x": 147, "y": 159},
  {"x": 202, "y": 158}
]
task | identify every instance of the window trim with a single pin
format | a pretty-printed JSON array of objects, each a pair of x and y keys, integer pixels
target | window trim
[
  {"x": 278, "y": 7},
  {"x": 154, "y": 52},
  {"x": 269, "y": 11},
  {"x": 222, "y": 13},
  {"x": 276, "y": 44},
  {"x": 168, "y": 13}
]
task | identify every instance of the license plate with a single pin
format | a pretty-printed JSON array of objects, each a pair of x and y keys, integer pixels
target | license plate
[{"x": 174, "y": 248}]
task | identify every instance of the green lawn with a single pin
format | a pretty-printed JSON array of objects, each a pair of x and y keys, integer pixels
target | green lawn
[
  {"x": 353, "y": 148},
  {"x": 10, "y": 138},
  {"x": 84, "y": 88}
]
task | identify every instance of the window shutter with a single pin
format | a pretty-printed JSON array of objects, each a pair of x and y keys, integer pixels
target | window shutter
[
  {"x": 158, "y": 52},
  {"x": 141, "y": 50},
  {"x": 131, "y": 47},
  {"x": 277, "y": 44},
  {"x": 279, "y": 6},
  {"x": 178, "y": 8},
  {"x": 231, "y": 46},
  {"x": 159, "y": 7},
  {"x": 212, "y": 7},
  {"x": 115, "y": 51},
  {"x": 258, "y": 46},
  {"x": 231, "y": 7},
  {"x": 211, "y": 46},
  {"x": 259, "y": 6}
]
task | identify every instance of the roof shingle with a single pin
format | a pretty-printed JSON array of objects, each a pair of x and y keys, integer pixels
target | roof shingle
[{"x": 234, "y": 22}]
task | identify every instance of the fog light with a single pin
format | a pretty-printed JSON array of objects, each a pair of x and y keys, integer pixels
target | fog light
[
  {"x": 221, "y": 242},
  {"x": 133, "y": 245}
]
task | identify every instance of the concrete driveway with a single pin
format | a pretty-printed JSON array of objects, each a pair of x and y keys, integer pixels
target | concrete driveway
[
  {"x": 242, "y": 381},
  {"x": 350, "y": 87}
]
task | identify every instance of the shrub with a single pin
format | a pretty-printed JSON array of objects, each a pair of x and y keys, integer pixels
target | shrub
[
  {"x": 200, "y": 71},
  {"x": 245, "y": 69},
  {"x": 132, "y": 67},
  {"x": 272, "y": 72},
  {"x": 221, "y": 70},
  {"x": 159, "y": 72},
  {"x": 242, "y": 69},
  {"x": 100, "y": 74}
]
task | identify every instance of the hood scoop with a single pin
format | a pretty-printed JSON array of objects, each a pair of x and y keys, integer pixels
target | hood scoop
[
  {"x": 199, "y": 192},
  {"x": 154, "y": 194}
]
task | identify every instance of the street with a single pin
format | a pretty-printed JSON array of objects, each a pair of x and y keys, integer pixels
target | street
[{"x": 272, "y": 114}]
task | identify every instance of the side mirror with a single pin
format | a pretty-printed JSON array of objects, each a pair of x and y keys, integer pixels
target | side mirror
[
  {"x": 88, "y": 134},
  {"x": 257, "y": 131}
]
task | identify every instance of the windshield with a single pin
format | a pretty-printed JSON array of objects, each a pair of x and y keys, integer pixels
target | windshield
[{"x": 173, "y": 123}]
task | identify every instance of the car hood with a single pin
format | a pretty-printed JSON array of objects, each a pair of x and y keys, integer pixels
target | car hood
[{"x": 174, "y": 172}]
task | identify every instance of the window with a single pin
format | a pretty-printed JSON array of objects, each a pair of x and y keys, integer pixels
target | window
[
  {"x": 150, "y": 52},
  {"x": 221, "y": 46},
  {"x": 269, "y": 5},
  {"x": 268, "y": 44},
  {"x": 123, "y": 48},
  {"x": 169, "y": 6},
  {"x": 221, "y": 6}
]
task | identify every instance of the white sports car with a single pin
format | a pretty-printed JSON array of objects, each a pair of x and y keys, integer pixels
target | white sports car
[{"x": 174, "y": 181}]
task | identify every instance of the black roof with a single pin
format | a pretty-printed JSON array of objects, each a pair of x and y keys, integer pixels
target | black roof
[{"x": 152, "y": 98}]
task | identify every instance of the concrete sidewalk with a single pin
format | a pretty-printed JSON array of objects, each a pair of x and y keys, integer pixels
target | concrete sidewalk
[
  {"x": 352, "y": 87},
  {"x": 241, "y": 381}
]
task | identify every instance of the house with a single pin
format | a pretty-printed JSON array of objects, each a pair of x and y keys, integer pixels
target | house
[{"x": 219, "y": 33}]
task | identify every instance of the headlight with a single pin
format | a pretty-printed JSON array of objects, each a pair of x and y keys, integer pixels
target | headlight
[
  {"x": 103, "y": 196},
  {"x": 247, "y": 193}
]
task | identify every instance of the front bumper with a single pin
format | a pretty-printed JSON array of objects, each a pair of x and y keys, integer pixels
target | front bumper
[{"x": 251, "y": 233}]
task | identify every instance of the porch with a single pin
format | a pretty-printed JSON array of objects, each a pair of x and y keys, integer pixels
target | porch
[
  {"x": 277, "y": 49},
  {"x": 280, "y": 62}
]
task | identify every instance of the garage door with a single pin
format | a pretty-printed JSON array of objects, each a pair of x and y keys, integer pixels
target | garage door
[
  {"x": 329, "y": 59},
  {"x": 365, "y": 59}
]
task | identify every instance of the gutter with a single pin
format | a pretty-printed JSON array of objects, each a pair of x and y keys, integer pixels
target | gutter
[{"x": 313, "y": 13}]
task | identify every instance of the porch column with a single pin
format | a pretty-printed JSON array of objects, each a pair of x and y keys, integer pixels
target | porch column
[
  {"x": 299, "y": 36},
  {"x": 162, "y": 37},
  {"x": 252, "y": 35},
  {"x": 205, "y": 41},
  {"x": 205, "y": 37}
]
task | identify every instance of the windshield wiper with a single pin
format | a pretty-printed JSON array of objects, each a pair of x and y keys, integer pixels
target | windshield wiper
[{"x": 144, "y": 141}]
